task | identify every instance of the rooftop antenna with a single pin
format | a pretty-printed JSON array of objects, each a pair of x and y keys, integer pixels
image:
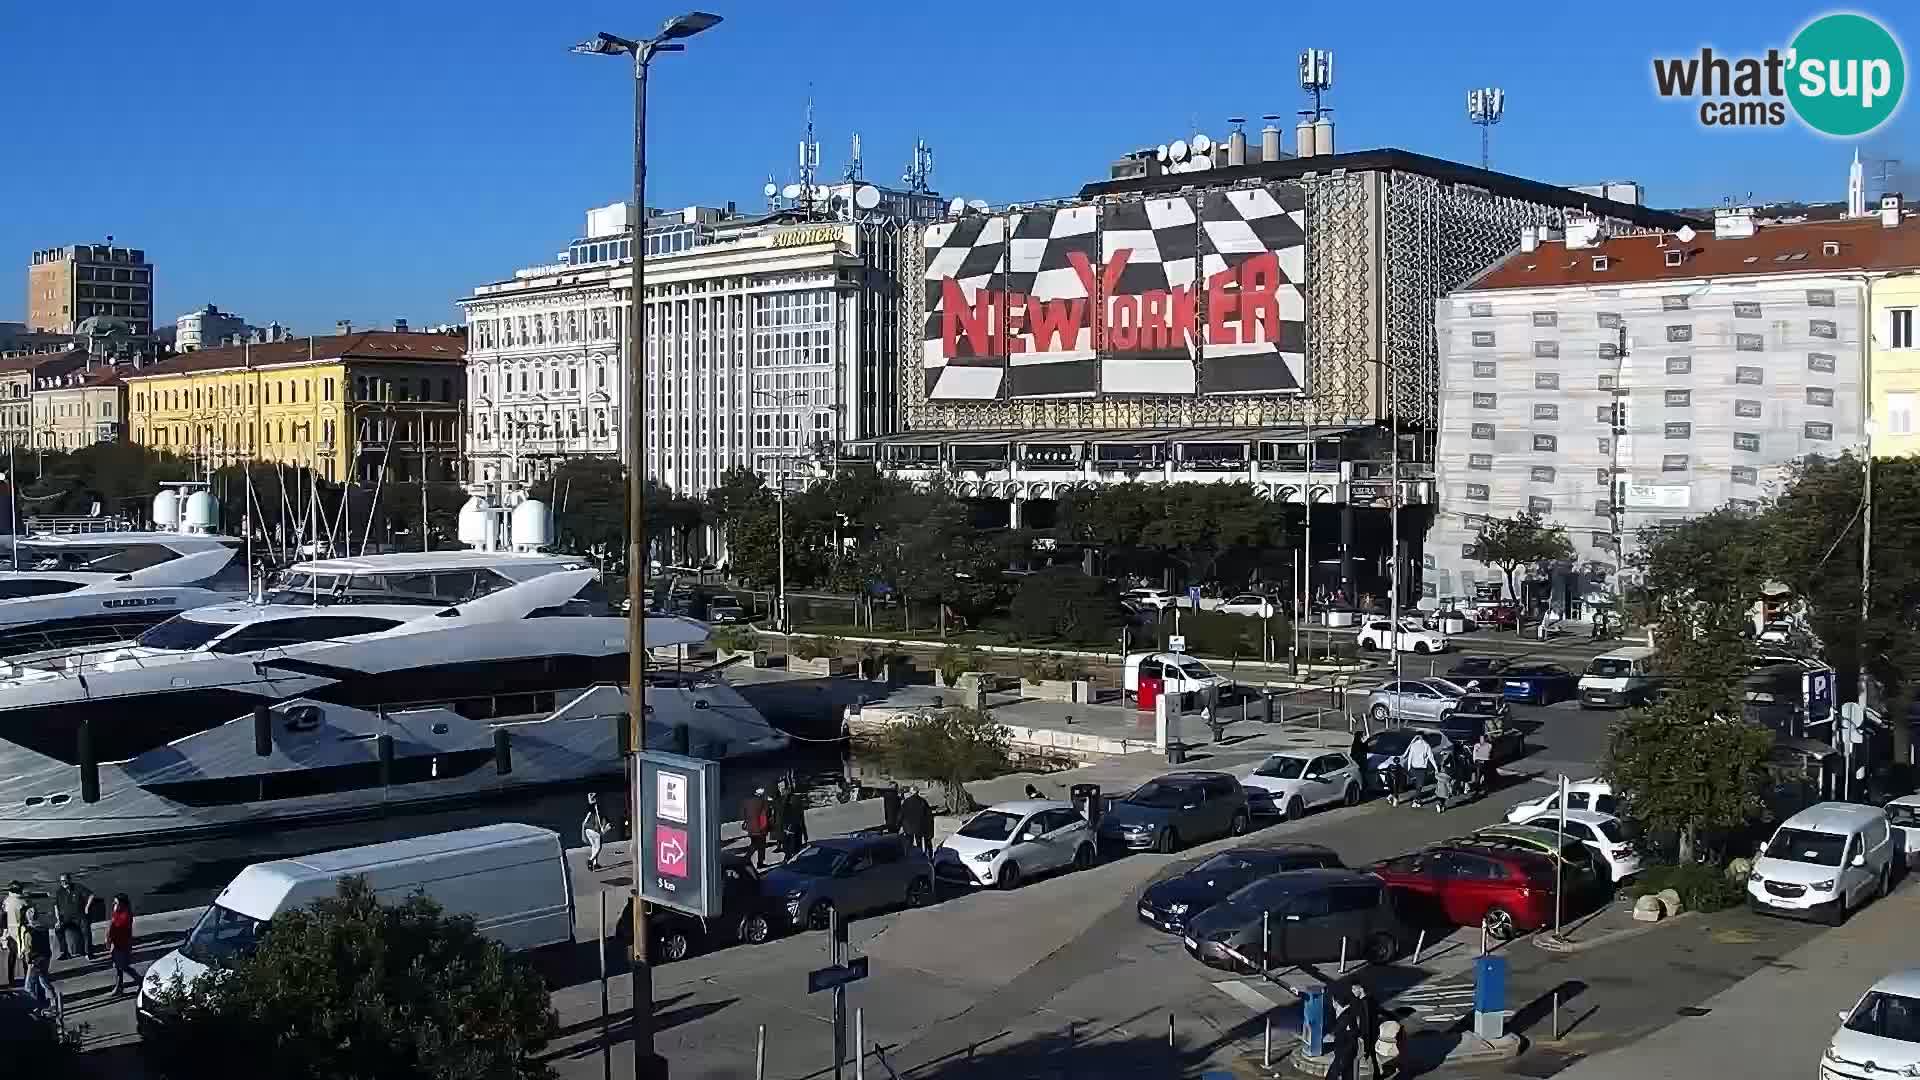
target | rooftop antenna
[
  {"x": 773, "y": 194},
  {"x": 855, "y": 170},
  {"x": 809, "y": 163},
  {"x": 919, "y": 174},
  {"x": 1485, "y": 107},
  {"x": 1316, "y": 78}
]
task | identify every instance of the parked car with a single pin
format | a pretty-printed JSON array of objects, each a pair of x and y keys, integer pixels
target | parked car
[
  {"x": 1505, "y": 892},
  {"x": 1178, "y": 673},
  {"x": 1485, "y": 670},
  {"x": 1292, "y": 782},
  {"x": 746, "y": 915},
  {"x": 1005, "y": 844},
  {"x": 1411, "y": 637},
  {"x": 1823, "y": 862},
  {"x": 1618, "y": 679},
  {"x": 1539, "y": 682},
  {"x": 1170, "y": 904},
  {"x": 1581, "y": 795},
  {"x": 1465, "y": 728},
  {"x": 1903, "y": 817},
  {"x": 1171, "y": 811},
  {"x": 1499, "y": 616},
  {"x": 1384, "y": 748},
  {"x": 1251, "y": 604},
  {"x": 1880, "y": 1035},
  {"x": 1303, "y": 917},
  {"x": 1607, "y": 835},
  {"x": 1413, "y": 699},
  {"x": 725, "y": 609},
  {"x": 1158, "y": 599},
  {"x": 851, "y": 875},
  {"x": 1582, "y": 872}
]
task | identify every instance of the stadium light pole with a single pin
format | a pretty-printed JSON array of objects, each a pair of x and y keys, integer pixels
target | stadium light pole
[{"x": 647, "y": 1065}]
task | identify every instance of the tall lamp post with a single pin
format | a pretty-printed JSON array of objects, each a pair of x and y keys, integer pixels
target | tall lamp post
[{"x": 646, "y": 1064}]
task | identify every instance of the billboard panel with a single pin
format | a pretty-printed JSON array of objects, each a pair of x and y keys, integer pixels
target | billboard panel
[{"x": 1175, "y": 296}]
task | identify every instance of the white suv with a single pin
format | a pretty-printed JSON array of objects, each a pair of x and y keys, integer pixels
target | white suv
[
  {"x": 1004, "y": 844},
  {"x": 1412, "y": 637},
  {"x": 1158, "y": 599}
]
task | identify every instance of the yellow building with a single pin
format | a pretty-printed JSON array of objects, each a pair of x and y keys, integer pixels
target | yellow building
[
  {"x": 348, "y": 405},
  {"x": 1896, "y": 355}
]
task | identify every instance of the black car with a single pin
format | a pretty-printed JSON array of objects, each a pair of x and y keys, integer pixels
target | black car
[
  {"x": 1465, "y": 728},
  {"x": 1304, "y": 917},
  {"x": 1171, "y": 811},
  {"x": 1538, "y": 682},
  {"x": 1487, "y": 670},
  {"x": 1169, "y": 904},
  {"x": 745, "y": 916}
]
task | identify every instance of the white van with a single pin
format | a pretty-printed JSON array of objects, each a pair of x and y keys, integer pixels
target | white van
[
  {"x": 1179, "y": 673},
  {"x": 1618, "y": 679},
  {"x": 1823, "y": 862},
  {"x": 511, "y": 878}
]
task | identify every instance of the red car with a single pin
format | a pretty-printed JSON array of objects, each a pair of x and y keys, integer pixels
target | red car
[{"x": 1507, "y": 892}]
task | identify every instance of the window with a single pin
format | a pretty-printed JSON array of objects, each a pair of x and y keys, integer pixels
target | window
[
  {"x": 1607, "y": 320},
  {"x": 1367, "y": 898},
  {"x": 1546, "y": 443},
  {"x": 1480, "y": 310},
  {"x": 1481, "y": 431},
  {"x": 1546, "y": 318},
  {"x": 1483, "y": 339},
  {"x": 1609, "y": 382},
  {"x": 1900, "y": 328},
  {"x": 1820, "y": 395},
  {"x": 1746, "y": 408},
  {"x": 1486, "y": 401},
  {"x": 1478, "y": 492},
  {"x": 1546, "y": 412},
  {"x": 1485, "y": 369},
  {"x": 1673, "y": 463},
  {"x": 1679, "y": 365},
  {"x": 1482, "y": 462},
  {"x": 1818, "y": 431},
  {"x": 1541, "y": 474},
  {"x": 1546, "y": 350},
  {"x": 1679, "y": 431},
  {"x": 1821, "y": 362},
  {"x": 1546, "y": 380},
  {"x": 1748, "y": 376},
  {"x": 1746, "y": 309},
  {"x": 1680, "y": 332},
  {"x": 1822, "y": 328},
  {"x": 1819, "y": 297},
  {"x": 1900, "y": 414},
  {"x": 1673, "y": 303},
  {"x": 1747, "y": 441},
  {"x": 1679, "y": 399}
]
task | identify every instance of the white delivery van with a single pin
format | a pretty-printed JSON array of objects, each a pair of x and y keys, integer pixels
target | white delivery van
[
  {"x": 511, "y": 878},
  {"x": 1180, "y": 673},
  {"x": 1823, "y": 862},
  {"x": 1618, "y": 679}
]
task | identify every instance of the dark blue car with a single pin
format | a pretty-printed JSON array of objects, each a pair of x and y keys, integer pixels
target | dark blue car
[
  {"x": 1170, "y": 903},
  {"x": 1539, "y": 682}
]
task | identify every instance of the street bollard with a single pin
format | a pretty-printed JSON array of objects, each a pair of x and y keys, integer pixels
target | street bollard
[
  {"x": 1170, "y": 1045},
  {"x": 859, "y": 1044},
  {"x": 1556, "y": 1014},
  {"x": 760, "y": 1053},
  {"x": 1343, "y": 954},
  {"x": 1266, "y": 1052},
  {"x": 606, "y": 1043},
  {"x": 1266, "y": 943},
  {"x": 1419, "y": 947}
]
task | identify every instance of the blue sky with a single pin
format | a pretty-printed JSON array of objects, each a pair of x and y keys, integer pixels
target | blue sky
[{"x": 381, "y": 160}]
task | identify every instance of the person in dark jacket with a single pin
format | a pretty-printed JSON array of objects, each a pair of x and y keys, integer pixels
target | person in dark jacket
[
  {"x": 1357, "y": 750},
  {"x": 793, "y": 824},
  {"x": 1344, "y": 1038},
  {"x": 916, "y": 820}
]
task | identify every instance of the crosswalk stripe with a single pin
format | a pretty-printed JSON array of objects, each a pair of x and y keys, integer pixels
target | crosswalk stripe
[{"x": 1246, "y": 995}]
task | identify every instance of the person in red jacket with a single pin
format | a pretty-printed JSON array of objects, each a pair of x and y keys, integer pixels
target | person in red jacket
[{"x": 120, "y": 942}]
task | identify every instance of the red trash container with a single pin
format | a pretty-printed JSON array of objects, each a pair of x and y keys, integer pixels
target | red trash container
[{"x": 1149, "y": 692}]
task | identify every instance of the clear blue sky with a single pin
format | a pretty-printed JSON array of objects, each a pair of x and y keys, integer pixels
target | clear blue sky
[{"x": 368, "y": 160}]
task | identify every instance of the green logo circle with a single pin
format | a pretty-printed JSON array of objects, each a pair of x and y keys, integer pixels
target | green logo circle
[{"x": 1847, "y": 75}]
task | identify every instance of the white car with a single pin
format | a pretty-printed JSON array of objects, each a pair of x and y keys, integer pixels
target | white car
[
  {"x": 1158, "y": 599},
  {"x": 1581, "y": 795},
  {"x": 1249, "y": 604},
  {"x": 1880, "y": 1035},
  {"x": 1292, "y": 782},
  {"x": 1604, "y": 833},
  {"x": 1411, "y": 637},
  {"x": 1004, "y": 844}
]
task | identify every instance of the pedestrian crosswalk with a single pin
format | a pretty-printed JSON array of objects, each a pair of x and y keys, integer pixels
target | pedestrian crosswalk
[
  {"x": 1438, "y": 1003},
  {"x": 1247, "y": 994}
]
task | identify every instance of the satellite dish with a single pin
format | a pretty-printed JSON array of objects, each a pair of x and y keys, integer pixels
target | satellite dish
[
  {"x": 1161, "y": 153},
  {"x": 791, "y": 191},
  {"x": 1178, "y": 149},
  {"x": 822, "y": 192},
  {"x": 1201, "y": 162},
  {"x": 770, "y": 189},
  {"x": 977, "y": 204},
  {"x": 1686, "y": 234},
  {"x": 957, "y": 207},
  {"x": 866, "y": 196},
  {"x": 1202, "y": 144}
]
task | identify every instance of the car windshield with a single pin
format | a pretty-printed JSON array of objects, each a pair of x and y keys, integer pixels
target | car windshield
[
  {"x": 815, "y": 861},
  {"x": 1889, "y": 1016},
  {"x": 1390, "y": 742},
  {"x": 181, "y": 634},
  {"x": 1608, "y": 667},
  {"x": 1282, "y": 767},
  {"x": 1903, "y": 814},
  {"x": 1227, "y": 862},
  {"x": 1614, "y": 831},
  {"x": 221, "y": 934},
  {"x": 1193, "y": 669},
  {"x": 990, "y": 825},
  {"x": 1160, "y": 795},
  {"x": 1447, "y": 687},
  {"x": 1478, "y": 666},
  {"x": 1801, "y": 845}
]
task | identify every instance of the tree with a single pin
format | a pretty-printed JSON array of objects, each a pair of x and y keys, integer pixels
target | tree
[
  {"x": 589, "y": 501},
  {"x": 1062, "y": 604},
  {"x": 1525, "y": 540},
  {"x": 949, "y": 747},
  {"x": 348, "y": 988},
  {"x": 1691, "y": 762}
]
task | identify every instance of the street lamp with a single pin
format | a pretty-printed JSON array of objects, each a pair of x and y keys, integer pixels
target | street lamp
[{"x": 646, "y": 1064}]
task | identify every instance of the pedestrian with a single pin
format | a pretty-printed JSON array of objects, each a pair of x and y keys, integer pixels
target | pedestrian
[
  {"x": 1357, "y": 750},
  {"x": 120, "y": 942},
  {"x": 1418, "y": 761},
  {"x": 1034, "y": 792},
  {"x": 756, "y": 817},
  {"x": 793, "y": 824},
  {"x": 73, "y": 931},
  {"x": 1346, "y": 1046},
  {"x": 592, "y": 828},
  {"x": 1483, "y": 761},
  {"x": 1366, "y": 1025},
  {"x": 916, "y": 820},
  {"x": 13, "y": 929},
  {"x": 40, "y": 988}
]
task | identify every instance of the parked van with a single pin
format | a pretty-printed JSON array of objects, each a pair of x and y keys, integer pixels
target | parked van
[
  {"x": 1180, "y": 673},
  {"x": 1618, "y": 679},
  {"x": 1823, "y": 862},
  {"x": 511, "y": 878}
]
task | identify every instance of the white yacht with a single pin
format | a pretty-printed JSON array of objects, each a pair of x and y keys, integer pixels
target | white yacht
[
  {"x": 77, "y": 589},
  {"x": 357, "y": 685}
]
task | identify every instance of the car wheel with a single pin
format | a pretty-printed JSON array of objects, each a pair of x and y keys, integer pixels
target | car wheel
[
  {"x": 820, "y": 915},
  {"x": 1886, "y": 882},
  {"x": 1380, "y": 714},
  {"x": 1382, "y": 948},
  {"x": 1083, "y": 859},
  {"x": 1499, "y": 925},
  {"x": 1420, "y": 647},
  {"x": 1445, "y": 715},
  {"x": 1238, "y": 827},
  {"x": 1169, "y": 842},
  {"x": 675, "y": 946},
  {"x": 1009, "y": 875},
  {"x": 919, "y": 892},
  {"x": 1352, "y": 796},
  {"x": 1291, "y": 809},
  {"x": 755, "y": 929}
]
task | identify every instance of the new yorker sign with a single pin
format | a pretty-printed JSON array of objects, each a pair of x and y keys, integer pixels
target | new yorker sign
[{"x": 812, "y": 234}]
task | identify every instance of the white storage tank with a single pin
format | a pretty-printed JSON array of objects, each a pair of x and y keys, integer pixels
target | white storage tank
[
  {"x": 531, "y": 529},
  {"x": 474, "y": 522},
  {"x": 202, "y": 513},
  {"x": 166, "y": 509}
]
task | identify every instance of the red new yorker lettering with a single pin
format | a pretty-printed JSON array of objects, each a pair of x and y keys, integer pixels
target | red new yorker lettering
[
  {"x": 959, "y": 317},
  {"x": 1054, "y": 323}
]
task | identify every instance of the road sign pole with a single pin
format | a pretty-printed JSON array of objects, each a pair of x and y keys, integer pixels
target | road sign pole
[{"x": 836, "y": 957}]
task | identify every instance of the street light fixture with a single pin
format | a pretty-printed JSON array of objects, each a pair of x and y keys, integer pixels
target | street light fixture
[{"x": 646, "y": 1064}]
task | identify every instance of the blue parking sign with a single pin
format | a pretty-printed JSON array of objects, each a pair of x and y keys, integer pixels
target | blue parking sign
[{"x": 1193, "y": 595}]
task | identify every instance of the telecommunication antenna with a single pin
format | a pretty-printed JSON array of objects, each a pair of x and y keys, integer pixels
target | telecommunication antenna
[
  {"x": 855, "y": 170},
  {"x": 809, "y": 163},
  {"x": 773, "y": 193},
  {"x": 1485, "y": 107},
  {"x": 919, "y": 174},
  {"x": 1316, "y": 78}
]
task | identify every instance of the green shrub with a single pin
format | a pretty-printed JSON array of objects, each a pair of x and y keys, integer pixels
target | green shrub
[
  {"x": 735, "y": 638},
  {"x": 816, "y": 648},
  {"x": 1062, "y": 604},
  {"x": 1702, "y": 886},
  {"x": 952, "y": 662},
  {"x": 1054, "y": 667}
]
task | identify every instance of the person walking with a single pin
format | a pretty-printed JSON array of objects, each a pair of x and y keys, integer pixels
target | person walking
[
  {"x": 72, "y": 930},
  {"x": 1345, "y": 1039},
  {"x": 1357, "y": 750},
  {"x": 756, "y": 817},
  {"x": 13, "y": 929},
  {"x": 1034, "y": 792},
  {"x": 120, "y": 942},
  {"x": 916, "y": 820},
  {"x": 1418, "y": 761},
  {"x": 1366, "y": 1025},
  {"x": 1483, "y": 762},
  {"x": 793, "y": 824},
  {"x": 593, "y": 828}
]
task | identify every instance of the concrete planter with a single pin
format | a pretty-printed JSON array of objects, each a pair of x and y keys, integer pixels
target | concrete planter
[
  {"x": 828, "y": 666},
  {"x": 755, "y": 657},
  {"x": 1048, "y": 689}
]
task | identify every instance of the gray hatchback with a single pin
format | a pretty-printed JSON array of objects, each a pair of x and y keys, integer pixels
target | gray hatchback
[
  {"x": 1171, "y": 811},
  {"x": 851, "y": 875}
]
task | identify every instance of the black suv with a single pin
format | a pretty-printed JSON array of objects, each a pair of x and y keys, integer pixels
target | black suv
[{"x": 1171, "y": 811}]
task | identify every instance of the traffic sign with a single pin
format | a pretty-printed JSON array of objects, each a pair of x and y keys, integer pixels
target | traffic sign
[
  {"x": 827, "y": 978},
  {"x": 1193, "y": 596},
  {"x": 1177, "y": 643},
  {"x": 677, "y": 833}
]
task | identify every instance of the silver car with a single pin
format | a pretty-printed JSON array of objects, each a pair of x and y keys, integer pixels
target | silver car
[{"x": 1430, "y": 700}]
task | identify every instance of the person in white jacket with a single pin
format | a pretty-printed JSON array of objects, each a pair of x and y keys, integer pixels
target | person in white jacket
[{"x": 1418, "y": 761}]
